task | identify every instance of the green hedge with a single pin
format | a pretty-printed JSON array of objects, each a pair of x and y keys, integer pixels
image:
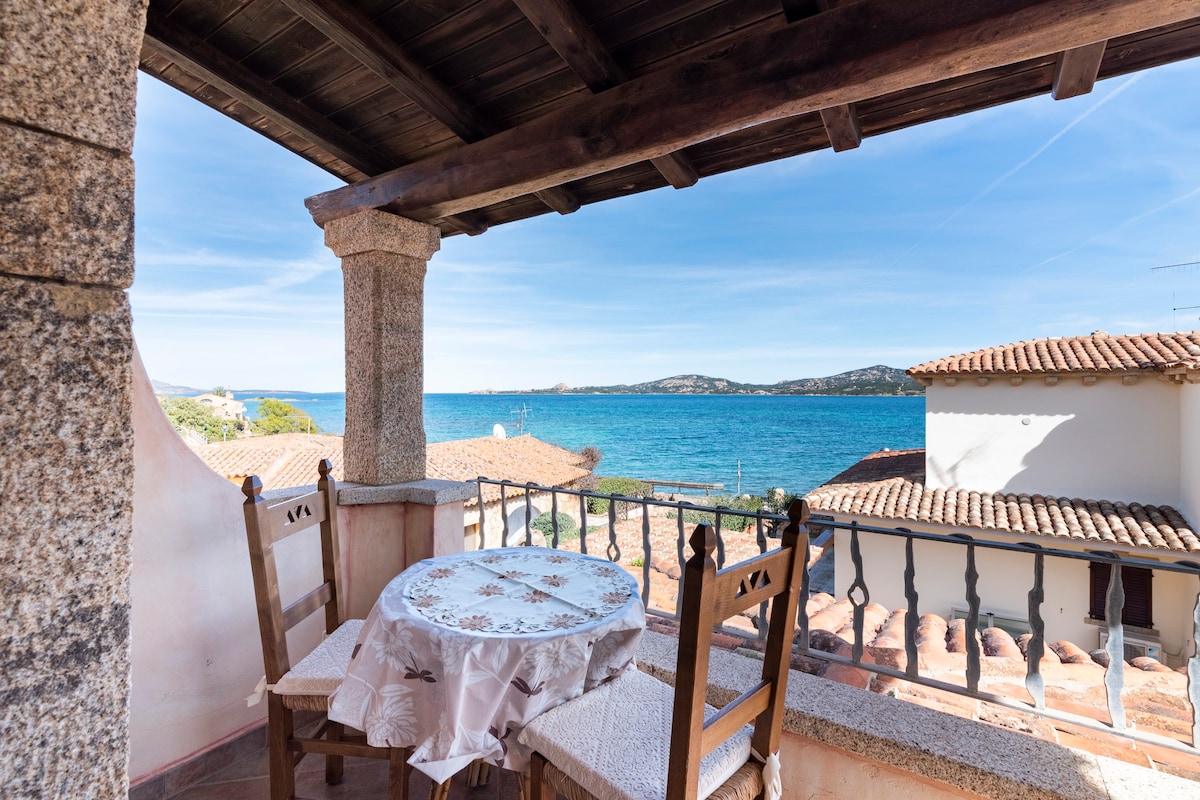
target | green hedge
[{"x": 630, "y": 487}]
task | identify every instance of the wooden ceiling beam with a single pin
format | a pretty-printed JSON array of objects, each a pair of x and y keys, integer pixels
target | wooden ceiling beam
[
  {"x": 203, "y": 61},
  {"x": 377, "y": 51},
  {"x": 373, "y": 48},
  {"x": 1076, "y": 70},
  {"x": 862, "y": 50},
  {"x": 571, "y": 36}
]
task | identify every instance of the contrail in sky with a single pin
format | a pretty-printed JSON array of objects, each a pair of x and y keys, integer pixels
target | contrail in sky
[{"x": 994, "y": 184}]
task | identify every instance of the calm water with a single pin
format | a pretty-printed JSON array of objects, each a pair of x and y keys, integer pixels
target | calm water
[{"x": 792, "y": 442}]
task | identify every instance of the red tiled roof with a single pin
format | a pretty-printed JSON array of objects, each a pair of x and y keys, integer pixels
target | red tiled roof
[
  {"x": 1098, "y": 352},
  {"x": 902, "y": 496},
  {"x": 521, "y": 459},
  {"x": 290, "y": 459}
]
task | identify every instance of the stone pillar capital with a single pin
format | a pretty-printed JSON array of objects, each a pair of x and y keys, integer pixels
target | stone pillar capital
[{"x": 378, "y": 231}]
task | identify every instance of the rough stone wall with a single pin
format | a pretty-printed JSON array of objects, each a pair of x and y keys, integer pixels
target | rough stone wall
[{"x": 67, "y": 95}]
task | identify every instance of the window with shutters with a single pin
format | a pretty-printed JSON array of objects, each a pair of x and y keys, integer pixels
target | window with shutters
[{"x": 1136, "y": 582}]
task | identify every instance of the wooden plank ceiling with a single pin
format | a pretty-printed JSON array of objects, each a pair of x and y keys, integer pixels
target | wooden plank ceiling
[{"x": 471, "y": 113}]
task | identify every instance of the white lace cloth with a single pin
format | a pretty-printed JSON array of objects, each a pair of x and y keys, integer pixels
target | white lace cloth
[
  {"x": 615, "y": 741},
  {"x": 460, "y": 652}
]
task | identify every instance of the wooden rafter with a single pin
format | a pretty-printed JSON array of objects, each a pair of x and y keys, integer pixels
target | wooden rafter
[
  {"x": 565, "y": 29},
  {"x": 841, "y": 125},
  {"x": 863, "y": 50},
  {"x": 1076, "y": 70},
  {"x": 378, "y": 52},
  {"x": 200, "y": 59},
  {"x": 841, "y": 122}
]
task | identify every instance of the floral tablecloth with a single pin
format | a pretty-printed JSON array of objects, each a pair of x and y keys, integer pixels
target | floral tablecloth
[{"x": 460, "y": 652}]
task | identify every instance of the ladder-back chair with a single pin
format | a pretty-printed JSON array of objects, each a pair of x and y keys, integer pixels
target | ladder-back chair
[
  {"x": 612, "y": 742},
  {"x": 306, "y": 685}
]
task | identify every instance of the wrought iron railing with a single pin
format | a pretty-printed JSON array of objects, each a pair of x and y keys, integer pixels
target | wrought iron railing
[{"x": 766, "y": 524}]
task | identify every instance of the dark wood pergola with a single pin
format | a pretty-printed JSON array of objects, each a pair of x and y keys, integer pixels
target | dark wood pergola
[{"x": 471, "y": 113}]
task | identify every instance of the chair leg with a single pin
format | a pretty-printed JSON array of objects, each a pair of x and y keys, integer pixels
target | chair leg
[
  {"x": 440, "y": 791},
  {"x": 399, "y": 772},
  {"x": 280, "y": 728},
  {"x": 538, "y": 788},
  {"x": 334, "y": 765},
  {"x": 478, "y": 773}
]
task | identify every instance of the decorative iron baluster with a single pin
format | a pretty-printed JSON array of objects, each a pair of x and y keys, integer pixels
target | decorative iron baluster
[
  {"x": 679, "y": 542},
  {"x": 1193, "y": 672},
  {"x": 860, "y": 584},
  {"x": 583, "y": 524},
  {"x": 528, "y": 516},
  {"x": 720, "y": 539},
  {"x": 761, "y": 623},
  {"x": 504, "y": 517},
  {"x": 482, "y": 521},
  {"x": 612, "y": 531},
  {"x": 974, "y": 657},
  {"x": 554, "y": 519},
  {"x": 1114, "y": 675},
  {"x": 801, "y": 637},
  {"x": 1035, "y": 684},
  {"x": 910, "y": 617},
  {"x": 645, "y": 554}
]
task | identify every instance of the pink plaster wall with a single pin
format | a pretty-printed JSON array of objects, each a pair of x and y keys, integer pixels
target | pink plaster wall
[{"x": 196, "y": 647}]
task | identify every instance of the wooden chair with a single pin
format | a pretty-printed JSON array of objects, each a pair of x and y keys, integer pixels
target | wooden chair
[
  {"x": 612, "y": 741},
  {"x": 306, "y": 686}
]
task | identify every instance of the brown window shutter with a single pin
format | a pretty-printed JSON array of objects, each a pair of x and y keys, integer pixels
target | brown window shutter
[{"x": 1138, "y": 594}]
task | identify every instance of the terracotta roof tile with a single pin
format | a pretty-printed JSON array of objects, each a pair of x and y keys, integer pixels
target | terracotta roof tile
[
  {"x": 290, "y": 459},
  {"x": 1098, "y": 352},
  {"x": 888, "y": 486}
]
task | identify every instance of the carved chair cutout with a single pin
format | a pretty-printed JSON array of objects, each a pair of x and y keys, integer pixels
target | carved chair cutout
[
  {"x": 636, "y": 738},
  {"x": 306, "y": 685}
]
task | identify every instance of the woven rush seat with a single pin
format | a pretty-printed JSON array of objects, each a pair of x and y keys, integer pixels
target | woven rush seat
[
  {"x": 614, "y": 742},
  {"x": 307, "y": 686}
]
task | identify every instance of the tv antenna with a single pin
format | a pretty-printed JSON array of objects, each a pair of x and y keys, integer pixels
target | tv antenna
[
  {"x": 521, "y": 413},
  {"x": 1189, "y": 266}
]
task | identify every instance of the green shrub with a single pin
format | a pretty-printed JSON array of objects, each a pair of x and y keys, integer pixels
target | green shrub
[
  {"x": 630, "y": 487},
  {"x": 730, "y": 520},
  {"x": 185, "y": 414},
  {"x": 567, "y": 528}
]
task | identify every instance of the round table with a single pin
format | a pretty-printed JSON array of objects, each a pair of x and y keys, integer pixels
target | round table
[{"x": 460, "y": 652}]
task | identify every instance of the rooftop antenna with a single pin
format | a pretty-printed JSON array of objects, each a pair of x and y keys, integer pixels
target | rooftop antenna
[
  {"x": 1188, "y": 266},
  {"x": 521, "y": 413}
]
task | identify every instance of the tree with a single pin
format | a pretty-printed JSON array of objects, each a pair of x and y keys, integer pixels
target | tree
[
  {"x": 220, "y": 391},
  {"x": 275, "y": 416},
  {"x": 185, "y": 414}
]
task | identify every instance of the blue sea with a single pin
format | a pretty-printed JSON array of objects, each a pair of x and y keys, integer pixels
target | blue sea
[{"x": 796, "y": 443}]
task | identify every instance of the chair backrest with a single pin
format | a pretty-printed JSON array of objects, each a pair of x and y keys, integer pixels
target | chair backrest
[
  {"x": 267, "y": 524},
  {"x": 709, "y": 598}
]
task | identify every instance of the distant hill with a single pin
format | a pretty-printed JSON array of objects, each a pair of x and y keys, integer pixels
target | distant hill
[
  {"x": 162, "y": 387},
  {"x": 877, "y": 380}
]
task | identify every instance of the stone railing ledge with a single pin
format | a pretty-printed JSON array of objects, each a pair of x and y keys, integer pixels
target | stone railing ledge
[
  {"x": 427, "y": 492},
  {"x": 970, "y": 756}
]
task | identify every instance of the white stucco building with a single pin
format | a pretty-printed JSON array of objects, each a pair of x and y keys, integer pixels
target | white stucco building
[{"x": 1085, "y": 443}]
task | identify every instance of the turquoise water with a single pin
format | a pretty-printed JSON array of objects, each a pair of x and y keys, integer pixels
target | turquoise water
[{"x": 795, "y": 443}]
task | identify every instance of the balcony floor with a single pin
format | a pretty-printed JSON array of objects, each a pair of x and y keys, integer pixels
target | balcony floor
[{"x": 364, "y": 778}]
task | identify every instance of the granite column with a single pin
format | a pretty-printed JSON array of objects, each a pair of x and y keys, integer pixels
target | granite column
[{"x": 68, "y": 80}]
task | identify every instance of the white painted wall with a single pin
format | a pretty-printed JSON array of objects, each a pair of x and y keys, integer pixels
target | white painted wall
[
  {"x": 196, "y": 647},
  {"x": 1004, "y": 583},
  {"x": 1189, "y": 452},
  {"x": 1106, "y": 441}
]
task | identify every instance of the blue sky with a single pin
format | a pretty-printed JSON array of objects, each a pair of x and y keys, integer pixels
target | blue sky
[{"x": 1033, "y": 219}]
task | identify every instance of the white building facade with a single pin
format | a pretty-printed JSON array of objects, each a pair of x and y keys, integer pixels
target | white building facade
[{"x": 1085, "y": 444}]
